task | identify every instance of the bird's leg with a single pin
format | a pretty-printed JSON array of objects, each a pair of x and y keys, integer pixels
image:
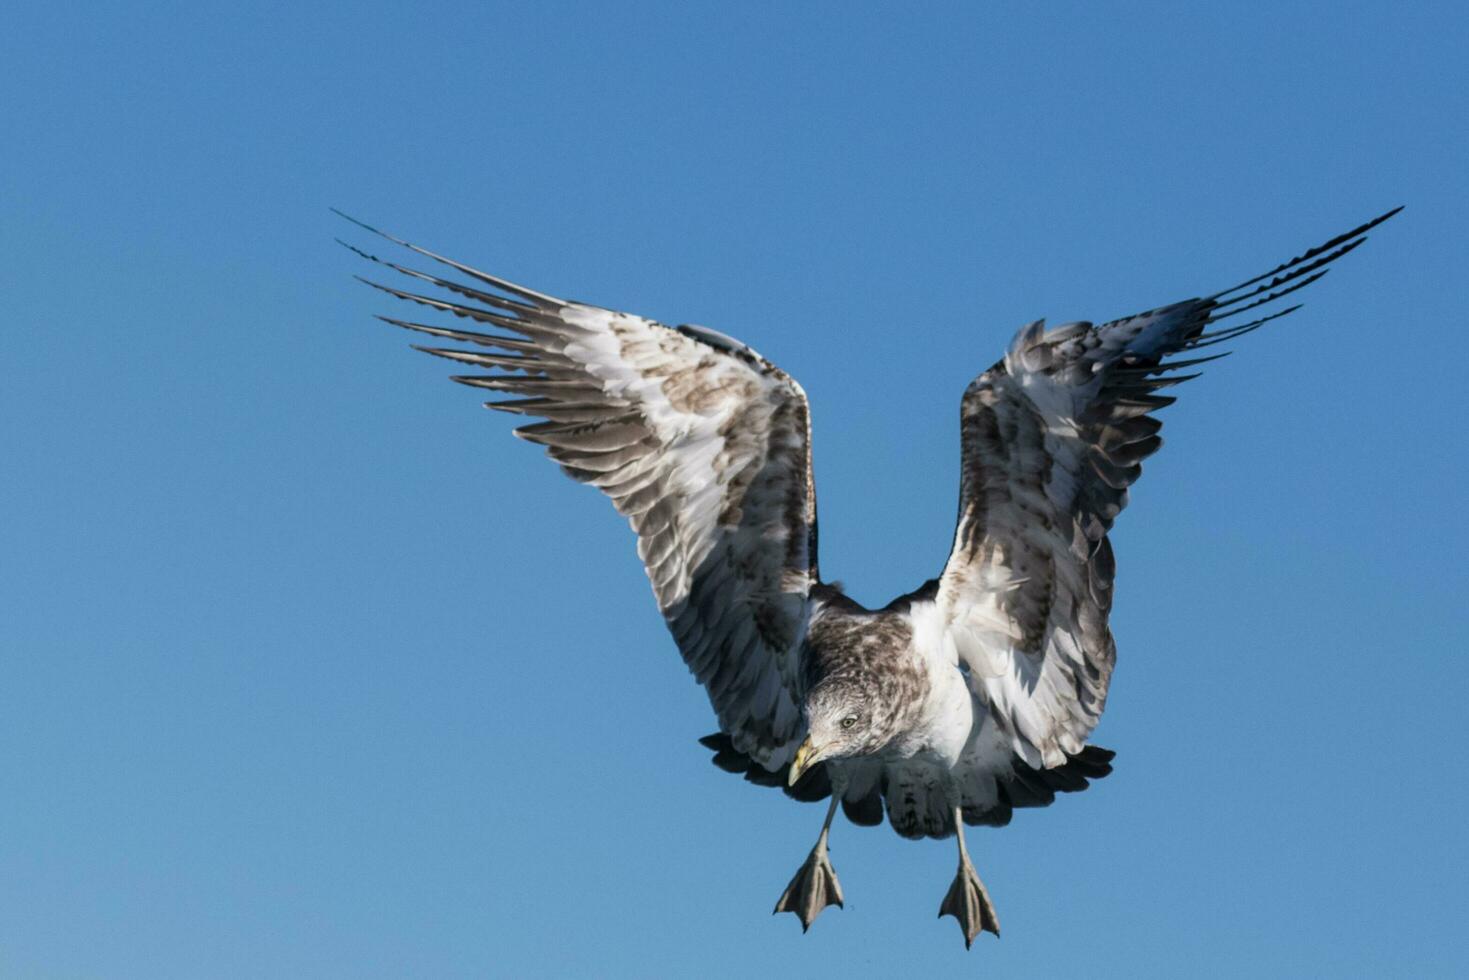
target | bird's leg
[
  {"x": 967, "y": 900},
  {"x": 815, "y": 886}
]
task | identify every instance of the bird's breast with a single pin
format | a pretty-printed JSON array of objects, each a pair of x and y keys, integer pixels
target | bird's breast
[{"x": 943, "y": 721}]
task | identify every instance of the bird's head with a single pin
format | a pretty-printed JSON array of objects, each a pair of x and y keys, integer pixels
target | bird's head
[{"x": 839, "y": 724}]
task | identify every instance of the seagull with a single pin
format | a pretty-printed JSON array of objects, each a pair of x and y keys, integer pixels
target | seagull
[{"x": 949, "y": 706}]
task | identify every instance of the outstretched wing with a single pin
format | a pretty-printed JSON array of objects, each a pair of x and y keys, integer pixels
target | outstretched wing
[
  {"x": 1053, "y": 435},
  {"x": 701, "y": 443}
]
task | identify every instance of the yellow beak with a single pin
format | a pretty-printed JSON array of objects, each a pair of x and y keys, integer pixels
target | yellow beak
[{"x": 806, "y": 757}]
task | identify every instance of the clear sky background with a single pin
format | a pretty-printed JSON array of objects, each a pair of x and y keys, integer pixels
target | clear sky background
[{"x": 309, "y": 669}]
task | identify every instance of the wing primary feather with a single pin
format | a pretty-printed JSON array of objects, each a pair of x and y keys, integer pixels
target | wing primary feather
[
  {"x": 1225, "y": 340},
  {"x": 1141, "y": 380},
  {"x": 549, "y": 386},
  {"x": 521, "y": 406},
  {"x": 495, "y": 382},
  {"x": 467, "y": 336},
  {"x": 511, "y": 361},
  {"x": 1211, "y": 343},
  {"x": 1311, "y": 253},
  {"x": 1189, "y": 362},
  {"x": 1283, "y": 274},
  {"x": 496, "y": 281},
  {"x": 1294, "y": 274},
  {"x": 1263, "y": 299},
  {"x": 1242, "y": 329},
  {"x": 458, "y": 309},
  {"x": 469, "y": 292},
  {"x": 560, "y": 410}
]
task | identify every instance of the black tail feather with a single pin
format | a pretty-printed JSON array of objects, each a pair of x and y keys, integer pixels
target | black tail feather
[
  {"x": 1024, "y": 787},
  {"x": 814, "y": 785}
]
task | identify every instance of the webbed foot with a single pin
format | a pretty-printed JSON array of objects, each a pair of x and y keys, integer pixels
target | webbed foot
[
  {"x": 968, "y": 902},
  {"x": 813, "y": 888}
]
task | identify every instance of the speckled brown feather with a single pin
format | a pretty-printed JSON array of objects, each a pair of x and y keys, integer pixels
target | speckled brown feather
[
  {"x": 1052, "y": 436},
  {"x": 703, "y": 445}
]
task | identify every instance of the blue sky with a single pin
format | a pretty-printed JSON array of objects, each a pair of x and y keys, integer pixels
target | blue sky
[{"x": 310, "y": 670}]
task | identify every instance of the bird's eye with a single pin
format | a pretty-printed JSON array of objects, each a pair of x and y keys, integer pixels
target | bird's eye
[{"x": 849, "y": 721}]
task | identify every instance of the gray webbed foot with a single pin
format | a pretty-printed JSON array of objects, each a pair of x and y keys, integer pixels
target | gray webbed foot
[
  {"x": 813, "y": 888},
  {"x": 968, "y": 902}
]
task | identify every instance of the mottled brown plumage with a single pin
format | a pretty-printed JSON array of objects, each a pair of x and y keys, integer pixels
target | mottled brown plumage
[{"x": 954, "y": 704}]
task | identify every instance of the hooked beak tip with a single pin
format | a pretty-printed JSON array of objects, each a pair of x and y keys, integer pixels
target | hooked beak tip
[{"x": 805, "y": 758}]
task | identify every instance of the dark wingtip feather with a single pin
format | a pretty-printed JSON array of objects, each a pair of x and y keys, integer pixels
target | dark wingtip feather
[
  {"x": 1296, "y": 263},
  {"x": 812, "y": 786},
  {"x": 1244, "y": 328},
  {"x": 493, "y": 382},
  {"x": 469, "y": 292},
  {"x": 355, "y": 250},
  {"x": 367, "y": 227},
  {"x": 495, "y": 281},
  {"x": 530, "y": 406},
  {"x": 1225, "y": 336},
  {"x": 342, "y": 214},
  {"x": 1216, "y": 316},
  {"x": 1189, "y": 362},
  {"x": 458, "y": 309},
  {"x": 463, "y": 357}
]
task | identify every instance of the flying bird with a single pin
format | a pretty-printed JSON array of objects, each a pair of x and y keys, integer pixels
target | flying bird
[{"x": 949, "y": 706}]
